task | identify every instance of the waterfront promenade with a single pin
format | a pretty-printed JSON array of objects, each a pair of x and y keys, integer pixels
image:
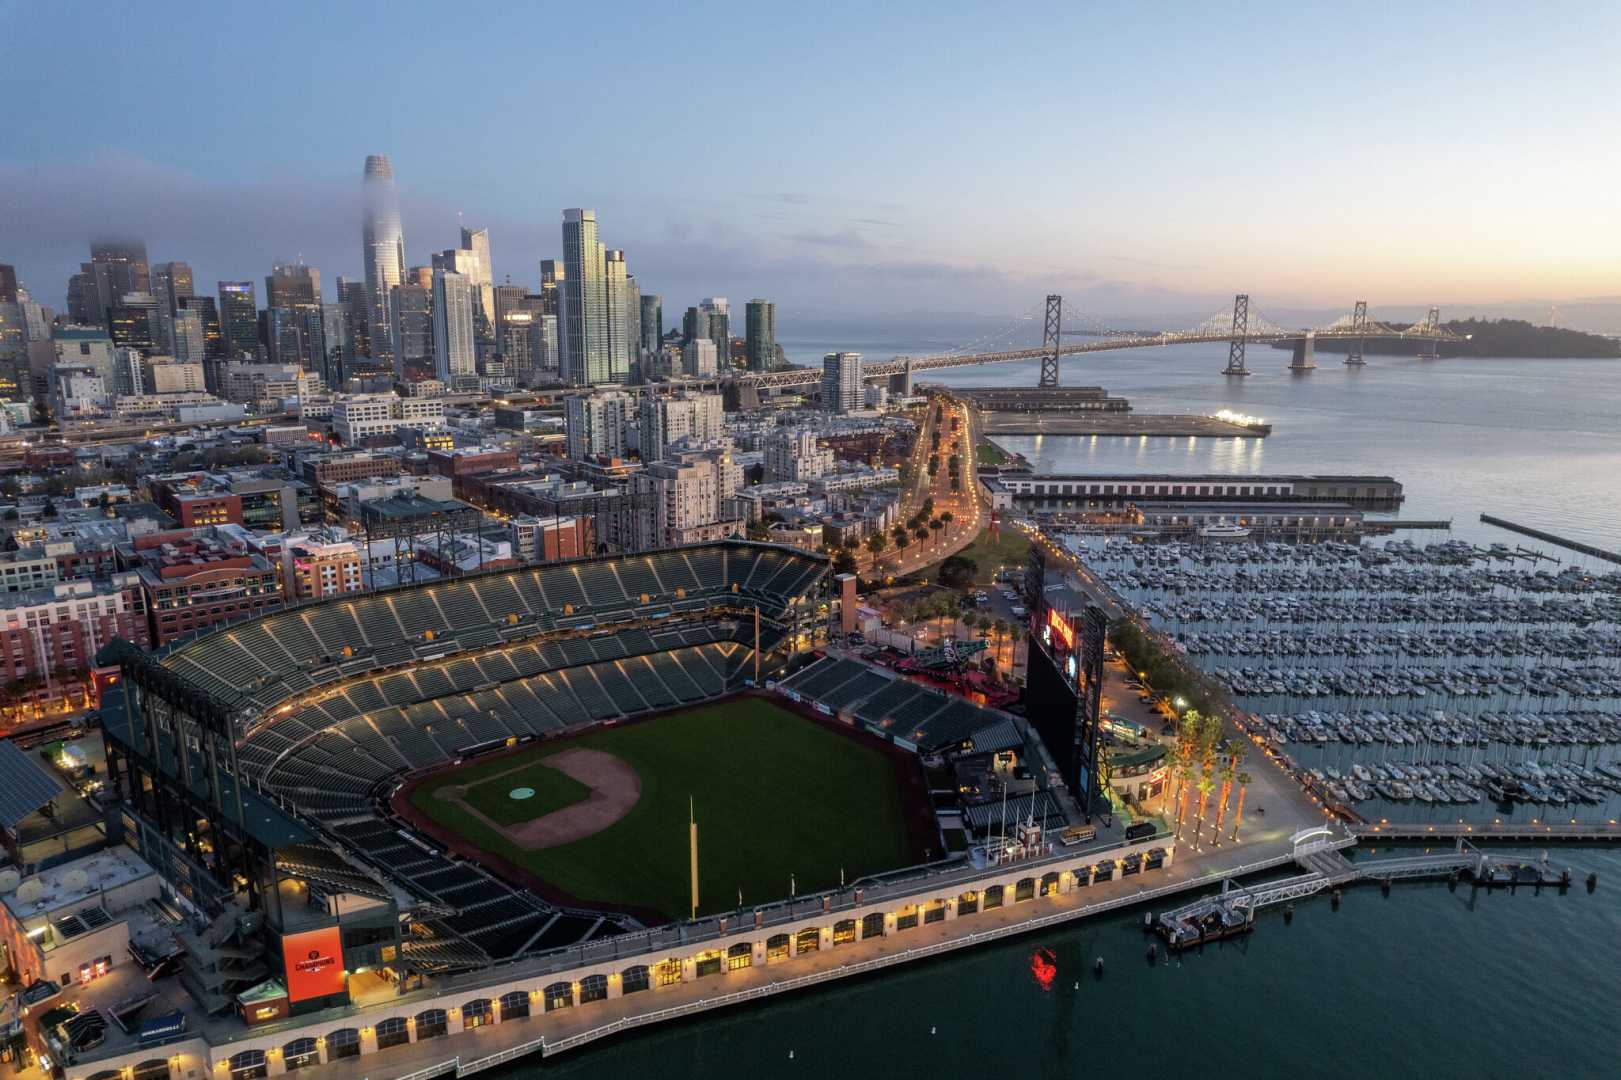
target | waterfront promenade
[{"x": 1263, "y": 845}]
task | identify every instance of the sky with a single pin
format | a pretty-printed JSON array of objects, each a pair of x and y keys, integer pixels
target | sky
[{"x": 846, "y": 160}]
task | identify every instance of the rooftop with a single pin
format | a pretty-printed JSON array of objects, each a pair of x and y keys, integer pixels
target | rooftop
[{"x": 75, "y": 882}]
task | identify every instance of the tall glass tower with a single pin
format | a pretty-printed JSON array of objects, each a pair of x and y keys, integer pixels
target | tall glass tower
[
  {"x": 583, "y": 321},
  {"x": 383, "y": 253}
]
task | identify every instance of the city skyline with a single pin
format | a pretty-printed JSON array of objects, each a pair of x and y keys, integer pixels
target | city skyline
[{"x": 1137, "y": 181}]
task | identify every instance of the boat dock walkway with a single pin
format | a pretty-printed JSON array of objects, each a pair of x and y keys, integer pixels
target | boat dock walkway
[
  {"x": 1232, "y": 911},
  {"x": 1548, "y": 537},
  {"x": 1522, "y": 831}
]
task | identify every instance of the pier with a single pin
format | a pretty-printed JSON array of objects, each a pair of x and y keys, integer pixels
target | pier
[
  {"x": 1232, "y": 911},
  {"x": 1116, "y": 423},
  {"x": 1548, "y": 537},
  {"x": 1583, "y": 832}
]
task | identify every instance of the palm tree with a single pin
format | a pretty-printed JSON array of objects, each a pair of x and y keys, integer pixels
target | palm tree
[
  {"x": 876, "y": 544},
  {"x": 1187, "y": 728},
  {"x": 1209, "y": 732},
  {"x": 1238, "y": 815},
  {"x": 945, "y": 516},
  {"x": 1226, "y": 771}
]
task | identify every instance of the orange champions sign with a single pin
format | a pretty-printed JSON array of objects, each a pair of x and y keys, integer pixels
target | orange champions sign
[
  {"x": 314, "y": 962},
  {"x": 1061, "y": 627}
]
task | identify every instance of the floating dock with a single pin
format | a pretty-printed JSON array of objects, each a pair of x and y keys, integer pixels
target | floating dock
[
  {"x": 1232, "y": 911},
  {"x": 1548, "y": 537}
]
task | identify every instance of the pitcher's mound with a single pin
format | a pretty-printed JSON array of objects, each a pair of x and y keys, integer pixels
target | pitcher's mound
[{"x": 615, "y": 788}]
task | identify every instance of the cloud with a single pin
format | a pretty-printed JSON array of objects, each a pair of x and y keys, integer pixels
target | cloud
[{"x": 844, "y": 239}]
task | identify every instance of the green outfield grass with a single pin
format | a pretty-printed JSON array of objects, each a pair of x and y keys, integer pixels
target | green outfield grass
[{"x": 775, "y": 795}]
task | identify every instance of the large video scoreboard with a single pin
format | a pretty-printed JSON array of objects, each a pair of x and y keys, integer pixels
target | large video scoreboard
[{"x": 1064, "y": 693}]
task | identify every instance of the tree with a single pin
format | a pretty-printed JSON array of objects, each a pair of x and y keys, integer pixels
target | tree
[
  {"x": 901, "y": 542},
  {"x": 1238, "y": 815},
  {"x": 958, "y": 572},
  {"x": 922, "y": 535},
  {"x": 946, "y": 517},
  {"x": 1231, "y": 757},
  {"x": 876, "y": 544},
  {"x": 1209, "y": 733},
  {"x": 1187, "y": 738},
  {"x": 844, "y": 562}
]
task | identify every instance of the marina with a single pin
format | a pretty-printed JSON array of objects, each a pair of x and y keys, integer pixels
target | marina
[{"x": 1436, "y": 684}]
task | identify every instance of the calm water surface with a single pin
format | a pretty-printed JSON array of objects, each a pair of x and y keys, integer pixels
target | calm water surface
[{"x": 1427, "y": 982}]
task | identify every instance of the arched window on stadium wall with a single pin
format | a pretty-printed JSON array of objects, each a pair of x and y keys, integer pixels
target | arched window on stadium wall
[
  {"x": 514, "y": 1006},
  {"x": 844, "y": 931},
  {"x": 1049, "y": 883},
  {"x": 248, "y": 1065},
  {"x": 392, "y": 1032},
  {"x": 559, "y": 995},
  {"x": 345, "y": 1043},
  {"x": 776, "y": 947},
  {"x": 808, "y": 940},
  {"x": 1024, "y": 890},
  {"x": 477, "y": 1013},
  {"x": 993, "y": 897},
  {"x": 708, "y": 962},
  {"x": 151, "y": 1069},
  {"x": 634, "y": 978},
  {"x": 667, "y": 972},
  {"x": 593, "y": 988},
  {"x": 872, "y": 925},
  {"x": 107, "y": 1074},
  {"x": 906, "y": 918},
  {"x": 968, "y": 903},
  {"x": 740, "y": 956},
  {"x": 934, "y": 911},
  {"x": 300, "y": 1054},
  {"x": 431, "y": 1023}
]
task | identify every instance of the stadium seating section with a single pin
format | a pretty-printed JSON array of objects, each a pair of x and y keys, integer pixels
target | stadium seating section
[{"x": 350, "y": 693}]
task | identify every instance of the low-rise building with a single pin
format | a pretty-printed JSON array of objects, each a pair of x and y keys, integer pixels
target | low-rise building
[{"x": 195, "y": 579}]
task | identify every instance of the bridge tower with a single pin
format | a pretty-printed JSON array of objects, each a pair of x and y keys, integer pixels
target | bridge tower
[
  {"x": 1235, "y": 348},
  {"x": 1359, "y": 328},
  {"x": 1305, "y": 353},
  {"x": 1431, "y": 348},
  {"x": 1051, "y": 331}
]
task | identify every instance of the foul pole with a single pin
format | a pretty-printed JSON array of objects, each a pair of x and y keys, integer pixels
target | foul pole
[{"x": 692, "y": 835}]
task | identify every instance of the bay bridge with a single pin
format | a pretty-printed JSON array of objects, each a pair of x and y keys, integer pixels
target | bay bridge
[{"x": 1240, "y": 328}]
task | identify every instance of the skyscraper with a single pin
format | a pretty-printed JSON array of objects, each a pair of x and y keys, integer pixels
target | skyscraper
[
  {"x": 583, "y": 321},
  {"x": 478, "y": 242},
  {"x": 652, "y": 323},
  {"x": 356, "y": 306},
  {"x": 454, "y": 353},
  {"x": 189, "y": 344},
  {"x": 616, "y": 290},
  {"x": 208, "y": 311},
  {"x": 239, "y": 319},
  {"x": 382, "y": 253},
  {"x": 552, "y": 276},
  {"x": 292, "y": 285},
  {"x": 171, "y": 283},
  {"x": 842, "y": 389},
  {"x": 117, "y": 267},
  {"x": 8, "y": 283},
  {"x": 720, "y": 329},
  {"x": 760, "y": 334},
  {"x": 411, "y": 307}
]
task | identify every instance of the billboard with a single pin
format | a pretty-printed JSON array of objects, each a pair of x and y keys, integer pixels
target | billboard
[{"x": 314, "y": 963}]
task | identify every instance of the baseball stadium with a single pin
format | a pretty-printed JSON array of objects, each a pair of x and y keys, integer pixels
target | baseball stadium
[{"x": 372, "y": 821}]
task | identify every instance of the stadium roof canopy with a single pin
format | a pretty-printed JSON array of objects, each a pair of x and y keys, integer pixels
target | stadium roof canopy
[{"x": 25, "y": 785}]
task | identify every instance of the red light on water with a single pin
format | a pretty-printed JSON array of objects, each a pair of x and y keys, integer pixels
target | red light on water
[{"x": 1043, "y": 968}]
